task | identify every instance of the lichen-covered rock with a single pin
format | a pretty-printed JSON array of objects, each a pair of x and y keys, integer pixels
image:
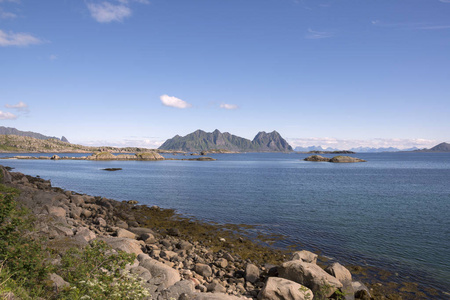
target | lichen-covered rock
[
  {"x": 317, "y": 158},
  {"x": 124, "y": 244},
  {"x": 283, "y": 289},
  {"x": 162, "y": 275}
]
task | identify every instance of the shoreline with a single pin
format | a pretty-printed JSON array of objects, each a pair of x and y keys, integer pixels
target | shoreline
[{"x": 233, "y": 239}]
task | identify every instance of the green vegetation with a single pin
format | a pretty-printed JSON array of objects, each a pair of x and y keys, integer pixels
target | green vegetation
[{"x": 95, "y": 272}]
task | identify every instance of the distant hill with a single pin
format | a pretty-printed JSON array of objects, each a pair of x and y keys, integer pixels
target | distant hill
[
  {"x": 14, "y": 131},
  {"x": 205, "y": 141},
  {"x": 442, "y": 147},
  {"x": 356, "y": 149}
]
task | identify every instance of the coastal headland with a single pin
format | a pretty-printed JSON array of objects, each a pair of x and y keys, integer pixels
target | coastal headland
[{"x": 183, "y": 258}]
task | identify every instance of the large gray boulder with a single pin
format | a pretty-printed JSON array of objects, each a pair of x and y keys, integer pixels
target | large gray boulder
[
  {"x": 311, "y": 276},
  {"x": 340, "y": 272},
  {"x": 305, "y": 256},
  {"x": 251, "y": 273},
  {"x": 186, "y": 287},
  {"x": 203, "y": 270},
  {"x": 282, "y": 289},
  {"x": 123, "y": 244},
  {"x": 162, "y": 275}
]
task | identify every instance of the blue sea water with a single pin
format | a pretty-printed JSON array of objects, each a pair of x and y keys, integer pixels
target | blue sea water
[{"x": 391, "y": 212}]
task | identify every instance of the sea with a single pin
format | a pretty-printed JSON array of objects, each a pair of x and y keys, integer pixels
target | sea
[{"x": 391, "y": 212}]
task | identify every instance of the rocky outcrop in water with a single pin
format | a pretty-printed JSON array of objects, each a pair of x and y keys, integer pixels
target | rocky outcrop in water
[{"x": 336, "y": 159}]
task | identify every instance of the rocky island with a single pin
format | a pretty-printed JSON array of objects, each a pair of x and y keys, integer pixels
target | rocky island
[{"x": 336, "y": 159}]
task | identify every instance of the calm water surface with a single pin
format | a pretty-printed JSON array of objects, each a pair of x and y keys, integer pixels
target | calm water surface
[{"x": 391, "y": 212}]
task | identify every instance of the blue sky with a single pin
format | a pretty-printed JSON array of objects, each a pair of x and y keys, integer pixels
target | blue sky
[{"x": 136, "y": 72}]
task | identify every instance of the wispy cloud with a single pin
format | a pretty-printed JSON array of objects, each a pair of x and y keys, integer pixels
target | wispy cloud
[
  {"x": 7, "y": 116},
  {"x": 444, "y": 1},
  {"x": 21, "y": 106},
  {"x": 6, "y": 15},
  {"x": 106, "y": 12},
  {"x": 315, "y": 35},
  {"x": 411, "y": 26},
  {"x": 228, "y": 106},
  {"x": 53, "y": 57},
  {"x": 345, "y": 144},
  {"x": 143, "y": 142},
  {"x": 17, "y": 39},
  {"x": 174, "y": 102}
]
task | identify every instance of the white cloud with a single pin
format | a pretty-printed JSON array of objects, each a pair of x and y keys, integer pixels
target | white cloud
[
  {"x": 344, "y": 144},
  {"x": 17, "y": 39},
  {"x": 411, "y": 26},
  {"x": 314, "y": 35},
  {"x": 174, "y": 102},
  {"x": 21, "y": 106},
  {"x": 7, "y": 116},
  {"x": 106, "y": 12},
  {"x": 445, "y": 1},
  {"x": 53, "y": 57},
  {"x": 128, "y": 142},
  {"x": 6, "y": 15},
  {"x": 229, "y": 106}
]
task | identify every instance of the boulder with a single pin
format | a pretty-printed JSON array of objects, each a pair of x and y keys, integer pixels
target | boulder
[
  {"x": 123, "y": 244},
  {"x": 85, "y": 233},
  {"x": 221, "y": 263},
  {"x": 142, "y": 273},
  {"x": 56, "y": 211},
  {"x": 305, "y": 256},
  {"x": 215, "y": 287},
  {"x": 311, "y": 276},
  {"x": 174, "y": 292},
  {"x": 283, "y": 289},
  {"x": 203, "y": 269},
  {"x": 123, "y": 233},
  {"x": 340, "y": 272},
  {"x": 162, "y": 275},
  {"x": 361, "y": 290},
  {"x": 251, "y": 273},
  {"x": 216, "y": 296},
  {"x": 58, "y": 282}
]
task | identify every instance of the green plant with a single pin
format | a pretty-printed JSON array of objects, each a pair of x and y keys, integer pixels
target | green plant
[
  {"x": 97, "y": 272},
  {"x": 22, "y": 257}
]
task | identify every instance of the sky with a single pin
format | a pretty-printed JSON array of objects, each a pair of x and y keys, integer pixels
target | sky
[{"x": 332, "y": 73}]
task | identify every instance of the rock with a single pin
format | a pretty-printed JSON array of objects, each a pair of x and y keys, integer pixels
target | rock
[
  {"x": 283, "y": 289},
  {"x": 63, "y": 230},
  {"x": 56, "y": 211},
  {"x": 340, "y": 272},
  {"x": 77, "y": 200},
  {"x": 58, "y": 282},
  {"x": 251, "y": 273},
  {"x": 149, "y": 156},
  {"x": 162, "y": 274},
  {"x": 221, "y": 263},
  {"x": 132, "y": 202},
  {"x": 203, "y": 269},
  {"x": 86, "y": 234},
  {"x": 173, "y": 231},
  {"x": 148, "y": 238},
  {"x": 175, "y": 291},
  {"x": 184, "y": 245},
  {"x": 123, "y": 233},
  {"x": 317, "y": 158},
  {"x": 86, "y": 213},
  {"x": 100, "y": 221},
  {"x": 5, "y": 176},
  {"x": 311, "y": 276},
  {"x": 123, "y": 244},
  {"x": 305, "y": 256},
  {"x": 216, "y": 296},
  {"x": 55, "y": 157},
  {"x": 122, "y": 224},
  {"x": 215, "y": 287},
  {"x": 345, "y": 159},
  {"x": 361, "y": 290},
  {"x": 142, "y": 272}
]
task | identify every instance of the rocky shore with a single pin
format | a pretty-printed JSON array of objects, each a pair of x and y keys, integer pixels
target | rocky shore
[
  {"x": 176, "y": 257},
  {"x": 336, "y": 159}
]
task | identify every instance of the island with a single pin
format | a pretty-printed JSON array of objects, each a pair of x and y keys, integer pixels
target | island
[{"x": 336, "y": 159}]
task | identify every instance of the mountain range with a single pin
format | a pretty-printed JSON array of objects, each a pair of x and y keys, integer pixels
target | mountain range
[
  {"x": 442, "y": 147},
  {"x": 356, "y": 149},
  {"x": 14, "y": 131},
  {"x": 206, "y": 141}
]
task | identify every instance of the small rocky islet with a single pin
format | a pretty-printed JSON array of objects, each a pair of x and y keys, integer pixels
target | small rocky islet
[
  {"x": 179, "y": 258},
  {"x": 336, "y": 159}
]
